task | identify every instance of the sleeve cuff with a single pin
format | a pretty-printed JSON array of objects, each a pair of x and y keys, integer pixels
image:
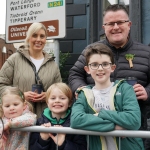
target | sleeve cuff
[
  {"x": 62, "y": 146},
  {"x": 42, "y": 142}
]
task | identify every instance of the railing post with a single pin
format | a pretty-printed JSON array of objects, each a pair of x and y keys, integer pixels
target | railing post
[{"x": 119, "y": 143}]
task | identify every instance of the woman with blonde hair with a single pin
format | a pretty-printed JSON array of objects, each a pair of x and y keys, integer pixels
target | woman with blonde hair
[{"x": 30, "y": 68}]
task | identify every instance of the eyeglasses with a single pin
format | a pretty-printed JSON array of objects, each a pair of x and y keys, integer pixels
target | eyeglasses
[
  {"x": 119, "y": 23},
  {"x": 95, "y": 66}
]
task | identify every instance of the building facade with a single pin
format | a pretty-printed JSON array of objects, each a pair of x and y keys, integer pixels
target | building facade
[{"x": 84, "y": 24}]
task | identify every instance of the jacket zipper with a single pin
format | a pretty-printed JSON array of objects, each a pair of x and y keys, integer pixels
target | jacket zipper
[{"x": 115, "y": 72}]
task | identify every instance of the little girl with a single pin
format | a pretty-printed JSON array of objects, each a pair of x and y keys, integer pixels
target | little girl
[
  {"x": 59, "y": 101},
  {"x": 16, "y": 113}
]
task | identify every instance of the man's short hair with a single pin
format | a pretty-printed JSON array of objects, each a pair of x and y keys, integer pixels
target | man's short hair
[{"x": 116, "y": 7}]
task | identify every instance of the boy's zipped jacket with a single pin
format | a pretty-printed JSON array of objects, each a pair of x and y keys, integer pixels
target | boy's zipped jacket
[
  {"x": 72, "y": 141},
  {"x": 125, "y": 112}
]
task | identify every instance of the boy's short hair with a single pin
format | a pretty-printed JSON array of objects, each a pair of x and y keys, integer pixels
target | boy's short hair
[
  {"x": 98, "y": 48},
  {"x": 116, "y": 7},
  {"x": 63, "y": 87}
]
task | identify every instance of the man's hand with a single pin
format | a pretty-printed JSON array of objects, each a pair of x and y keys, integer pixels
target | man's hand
[
  {"x": 76, "y": 95},
  {"x": 79, "y": 88},
  {"x": 140, "y": 92}
]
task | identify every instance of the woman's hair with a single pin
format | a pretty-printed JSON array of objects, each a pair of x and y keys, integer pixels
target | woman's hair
[
  {"x": 63, "y": 87},
  {"x": 35, "y": 27},
  {"x": 13, "y": 91}
]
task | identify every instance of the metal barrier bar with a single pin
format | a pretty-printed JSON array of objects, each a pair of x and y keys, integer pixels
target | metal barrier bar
[{"x": 68, "y": 130}]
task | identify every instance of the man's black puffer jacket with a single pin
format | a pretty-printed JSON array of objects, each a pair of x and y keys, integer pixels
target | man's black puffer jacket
[{"x": 141, "y": 70}]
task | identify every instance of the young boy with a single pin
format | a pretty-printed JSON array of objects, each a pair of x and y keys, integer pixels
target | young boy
[
  {"x": 59, "y": 101},
  {"x": 107, "y": 105}
]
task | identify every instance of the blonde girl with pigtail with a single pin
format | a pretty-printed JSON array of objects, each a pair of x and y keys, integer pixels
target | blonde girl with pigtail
[{"x": 16, "y": 112}]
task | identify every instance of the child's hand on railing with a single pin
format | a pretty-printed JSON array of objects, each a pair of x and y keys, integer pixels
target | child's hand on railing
[
  {"x": 3, "y": 140},
  {"x": 96, "y": 114},
  {"x": 6, "y": 128},
  {"x": 59, "y": 138},
  {"x": 1, "y": 144},
  {"x": 45, "y": 136},
  {"x": 119, "y": 128},
  {"x": 7, "y": 125}
]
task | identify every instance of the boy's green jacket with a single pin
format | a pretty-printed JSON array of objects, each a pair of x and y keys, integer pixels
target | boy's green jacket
[{"x": 124, "y": 112}]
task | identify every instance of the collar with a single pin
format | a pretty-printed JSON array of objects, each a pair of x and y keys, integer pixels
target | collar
[
  {"x": 47, "y": 113},
  {"x": 121, "y": 49},
  {"x": 24, "y": 51}
]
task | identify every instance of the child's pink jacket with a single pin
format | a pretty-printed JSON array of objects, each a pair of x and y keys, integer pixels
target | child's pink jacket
[{"x": 17, "y": 140}]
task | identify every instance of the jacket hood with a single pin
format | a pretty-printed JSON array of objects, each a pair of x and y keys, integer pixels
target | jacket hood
[
  {"x": 25, "y": 52},
  {"x": 117, "y": 83},
  {"x": 121, "y": 49},
  {"x": 48, "y": 114}
]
